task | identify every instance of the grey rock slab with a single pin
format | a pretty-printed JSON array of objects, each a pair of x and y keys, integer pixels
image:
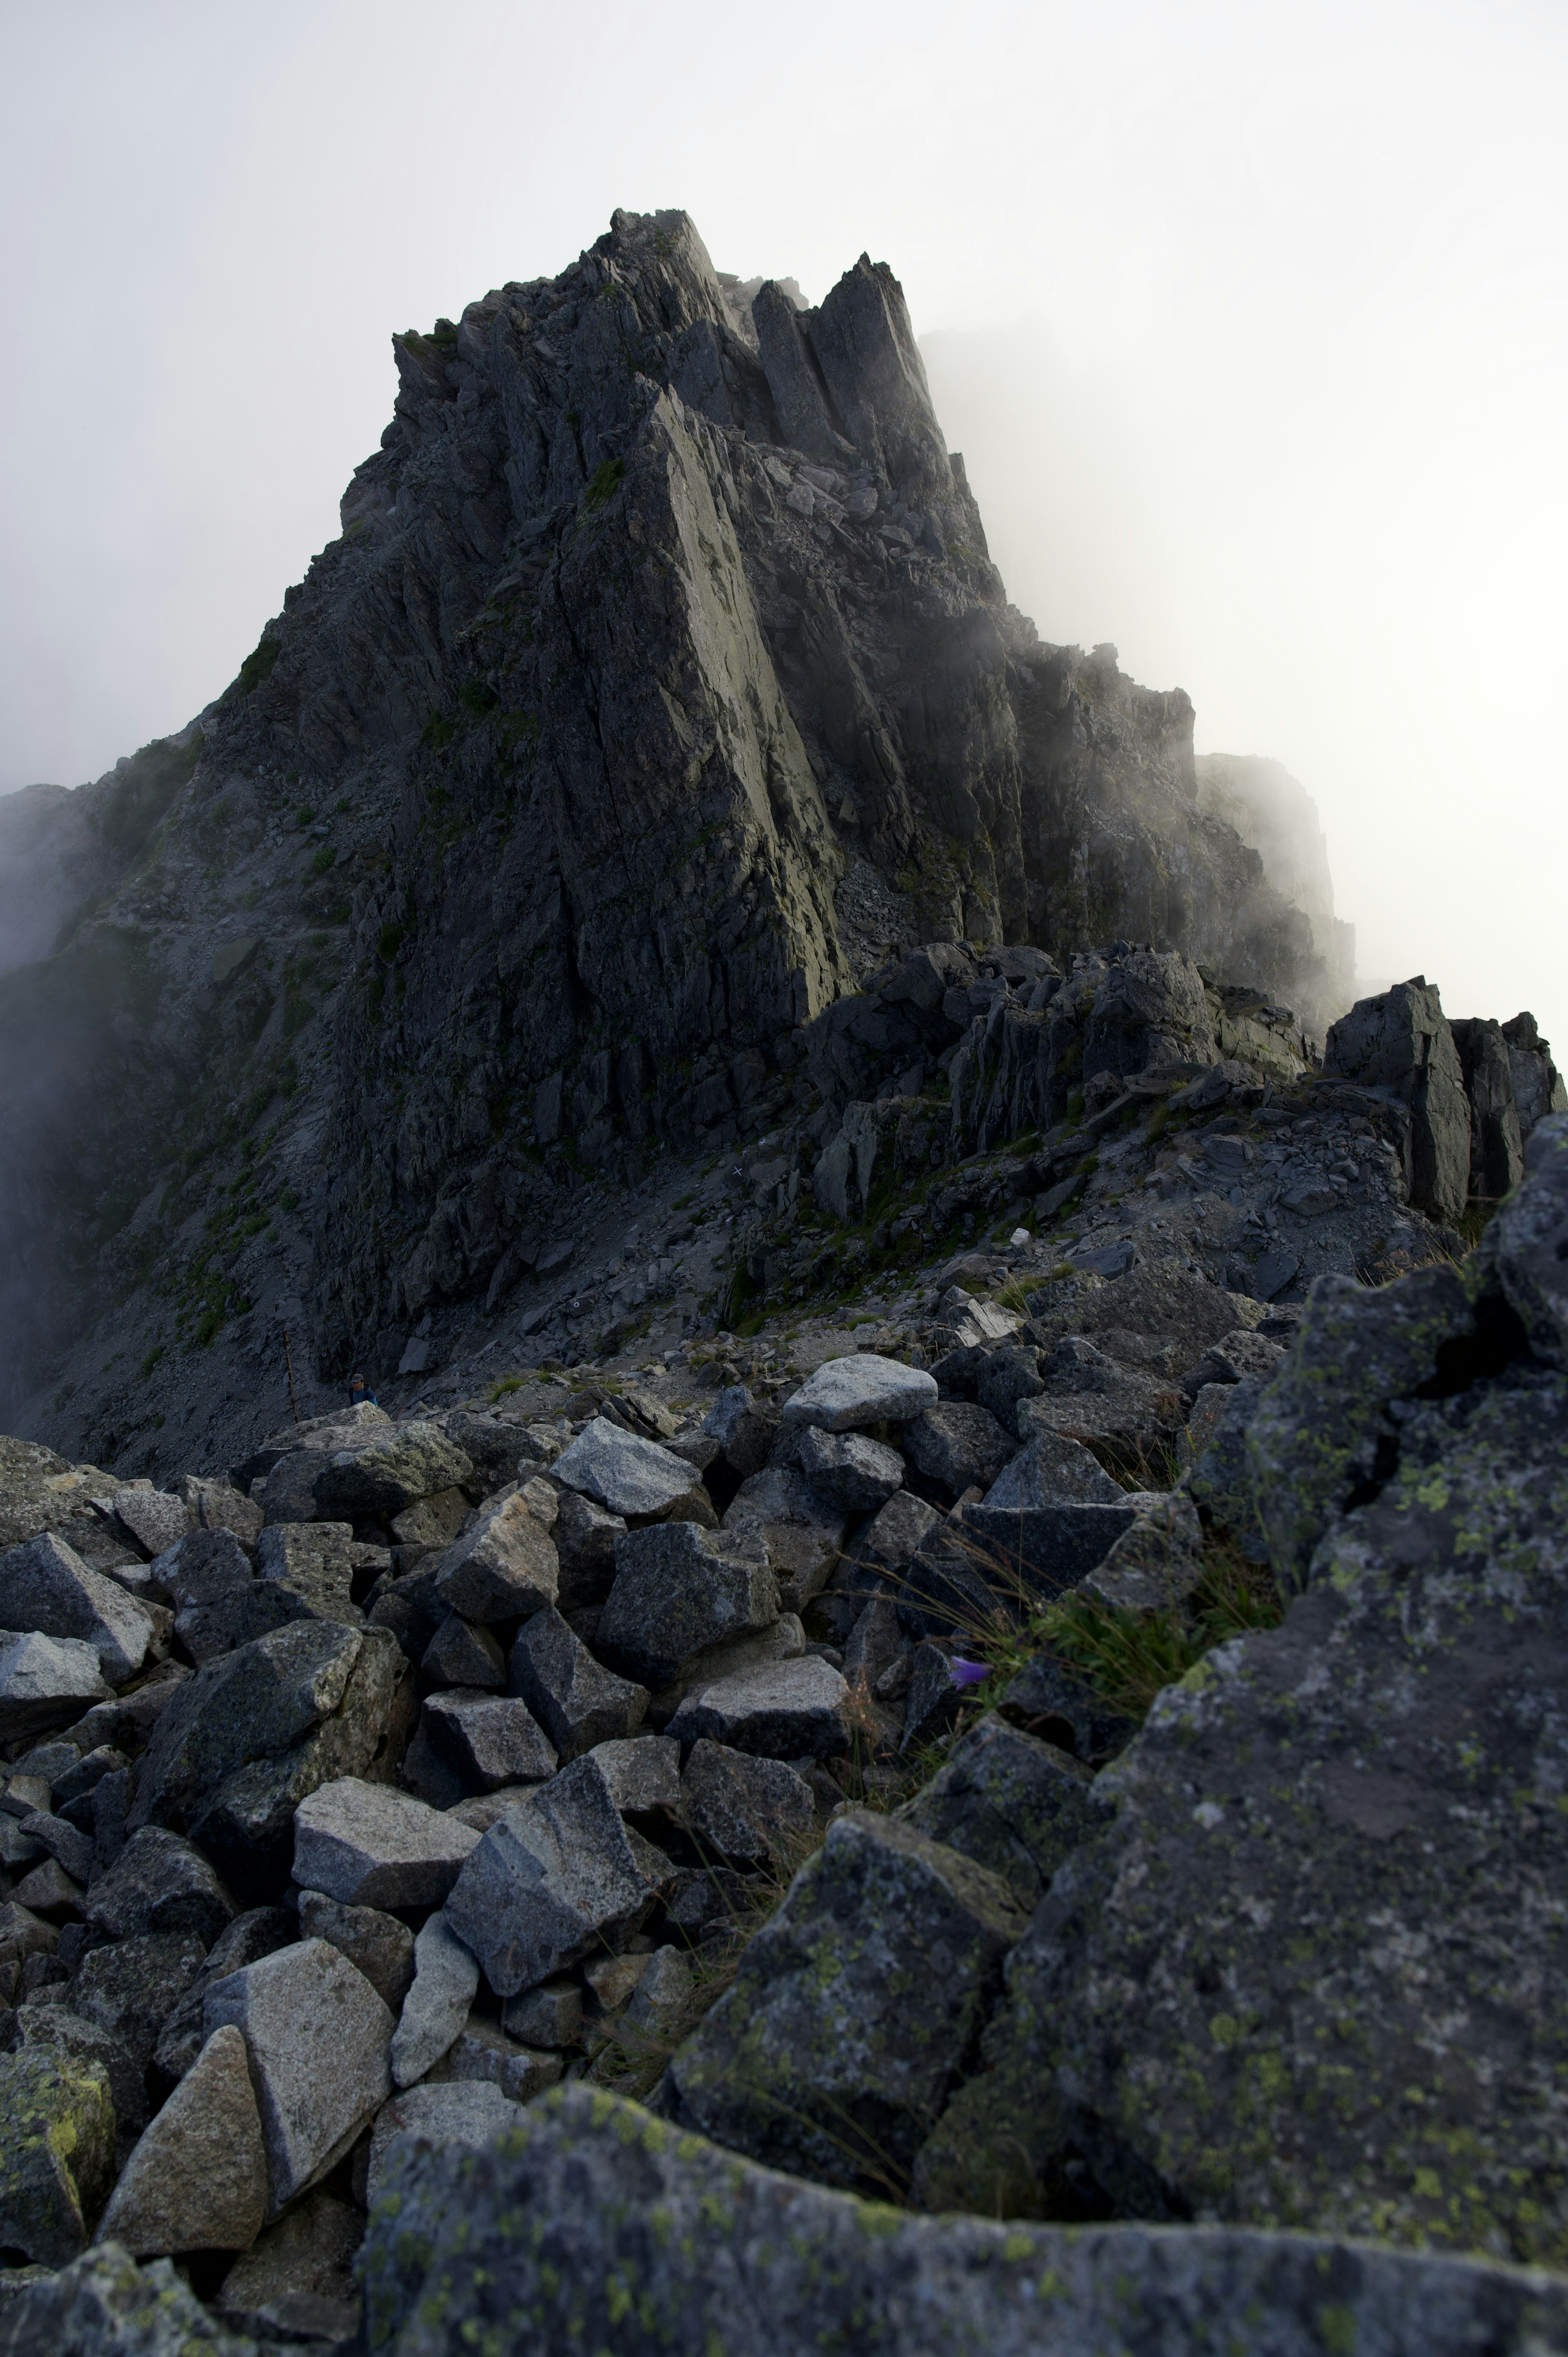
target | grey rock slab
[
  {"x": 618, "y": 2199},
  {"x": 848, "y": 1394},
  {"x": 464, "y": 1653},
  {"x": 835, "y": 2046},
  {"x": 1234, "y": 1358},
  {"x": 57, "y": 2152},
  {"x": 482, "y": 2053},
  {"x": 677, "y": 1590},
  {"x": 461, "y": 2113},
  {"x": 658, "y": 2007},
  {"x": 1526, "y": 1245},
  {"x": 201, "y": 1566},
  {"x": 311, "y": 1563},
  {"x": 553, "y": 1880},
  {"x": 1052, "y": 1470},
  {"x": 104, "y": 2303},
  {"x": 853, "y": 1472},
  {"x": 376, "y": 1943},
  {"x": 640, "y": 1774},
  {"x": 784, "y": 1710},
  {"x": 130, "y": 1989},
  {"x": 957, "y": 1447},
  {"x": 1010, "y": 1802},
  {"x": 488, "y": 1741},
  {"x": 1003, "y": 1378},
  {"x": 1402, "y": 1041},
  {"x": 297, "y": 2280},
  {"x": 154, "y": 1519},
  {"x": 197, "y": 2179},
  {"x": 577, "y": 1702},
  {"x": 1156, "y": 1564},
  {"x": 204, "y": 1631},
  {"x": 260, "y": 1931},
  {"x": 626, "y": 1474},
  {"x": 740, "y": 1807},
  {"x": 892, "y": 1535},
  {"x": 244, "y": 1740},
  {"x": 503, "y": 1568},
  {"x": 802, "y": 1530},
  {"x": 584, "y": 1537},
  {"x": 317, "y": 2035},
  {"x": 57, "y": 2028},
  {"x": 391, "y": 1470},
  {"x": 46, "y": 1590},
  {"x": 50, "y": 1890},
  {"x": 62, "y": 1842},
  {"x": 549, "y": 2015},
  {"x": 371, "y": 1846},
  {"x": 159, "y": 1882},
  {"x": 446, "y": 1981},
  {"x": 1039, "y": 1551},
  {"x": 436, "y": 1522}
]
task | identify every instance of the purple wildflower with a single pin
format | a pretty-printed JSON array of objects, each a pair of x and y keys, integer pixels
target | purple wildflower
[{"x": 967, "y": 1673}]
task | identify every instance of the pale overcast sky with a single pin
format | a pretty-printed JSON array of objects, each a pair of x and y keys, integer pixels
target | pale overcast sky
[{"x": 1249, "y": 321}]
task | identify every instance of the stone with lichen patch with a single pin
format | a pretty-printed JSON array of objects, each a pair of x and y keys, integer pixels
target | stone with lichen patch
[{"x": 57, "y": 2152}]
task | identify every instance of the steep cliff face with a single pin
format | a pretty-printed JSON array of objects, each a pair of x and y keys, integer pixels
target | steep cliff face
[
  {"x": 1273, "y": 812},
  {"x": 659, "y": 688}
]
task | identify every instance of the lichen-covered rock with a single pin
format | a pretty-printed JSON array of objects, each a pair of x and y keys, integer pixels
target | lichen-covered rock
[
  {"x": 503, "y": 1569},
  {"x": 802, "y": 1530},
  {"x": 648, "y": 2240},
  {"x": 677, "y": 1591},
  {"x": 391, "y": 1470},
  {"x": 1320, "y": 1427},
  {"x": 853, "y": 2008},
  {"x": 57, "y": 2152},
  {"x": 1311, "y": 1973},
  {"x": 1527, "y": 1243},
  {"x": 46, "y": 1587},
  {"x": 1009, "y": 1801},
  {"x": 105, "y": 2304},
  {"x": 1401, "y": 1040}
]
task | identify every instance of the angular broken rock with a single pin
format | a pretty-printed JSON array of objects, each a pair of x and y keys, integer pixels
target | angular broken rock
[
  {"x": 584, "y": 1537},
  {"x": 488, "y": 1741},
  {"x": 57, "y": 2153},
  {"x": 482, "y": 2053},
  {"x": 957, "y": 1447},
  {"x": 446, "y": 1981},
  {"x": 745, "y": 1808},
  {"x": 1010, "y": 1802},
  {"x": 130, "y": 1989},
  {"x": 640, "y": 1774},
  {"x": 258, "y": 1932},
  {"x": 310, "y": 1562},
  {"x": 575, "y": 1700},
  {"x": 550, "y": 2015},
  {"x": 371, "y": 1846},
  {"x": 1526, "y": 1246},
  {"x": 890, "y": 1540},
  {"x": 1052, "y": 1470},
  {"x": 854, "y": 1473},
  {"x": 853, "y": 2006},
  {"x": 56, "y": 2026},
  {"x": 553, "y": 1880},
  {"x": 464, "y": 1653},
  {"x": 154, "y": 1519},
  {"x": 784, "y": 1710},
  {"x": 376, "y": 1943},
  {"x": 247, "y": 1737},
  {"x": 677, "y": 1589},
  {"x": 48, "y": 1890},
  {"x": 503, "y": 1569},
  {"x": 847, "y": 1394},
  {"x": 317, "y": 2035},
  {"x": 393, "y": 1469},
  {"x": 454, "y": 2113},
  {"x": 628, "y": 1475},
  {"x": 801, "y": 1531},
  {"x": 46, "y": 1590},
  {"x": 159, "y": 1882},
  {"x": 197, "y": 2180}
]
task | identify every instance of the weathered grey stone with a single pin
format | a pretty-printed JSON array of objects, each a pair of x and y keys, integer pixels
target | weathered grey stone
[
  {"x": 784, "y": 1710},
  {"x": 502, "y": 1569},
  {"x": 311, "y": 1563},
  {"x": 743, "y": 1432},
  {"x": 783, "y": 1640},
  {"x": 435, "y": 1521},
  {"x": 247, "y": 1737},
  {"x": 489, "y": 1740},
  {"x": 51, "y": 1891},
  {"x": 892, "y": 1536},
  {"x": 201, "y": 1566},
  {"x": 660, "y": 2006},
  {"x": 46, "y": 1590},
  {"x": 836, "y": 2045},
  {"x": 1496, "y": 1145},
  {"x": 1314, "y": 1435},
  {"x": 462, "y": 2113},
  {"x": 1050, "y": 1700},
  {"x": 464, "y": 1653},
  {"x": 855, "y": 1474},
  {"x": 391, "y": 1470},
  {"x": 1538, "y": 1087},
  {"x": 376, "y": 1943},
  {"x": 584, "y": 1537},
  {"x": 57, "y": 2152},
  {"x": 676, "y": 1590},
  {"x": 848, "y": 1394},
  {"x": 159, "y": 1882},
  {"x": 1526, "y": 1245},
  {"x": 1319, "y": 1875},
  {"x": 445, "y": 1979},
  {"x": 746, "y": 1808},
  {"x": 130, "y": 1989},
  {"x": 550, "y": 1881},
  {"x": 957, "y": 1447},
  {"x": 629, "y": 1475},
  {"x": 197, "y": 2179},
  {"x": 801, "y": 1531},
  {"x": 317, "y": 2035},
  {"x": 1156, "y": 1564},
  {"x": 1052, "y": 1470},
  {"x": 154, "y": 1519},
  {"x": 219, "y": 1506},
  {"x": 618, "y": 2199},
  {"x": 1233, "y": 1359},
  {"x": 482, "y": 2053},
  {"x": 640, "y": 1774},
  {"x": 1009, "y": 1801},
  {"x": 575, "y": 1700},
  {"x": 549, "y": 2015},
  {"x": 1215, "y": 1471},
  {"x": 1003, "y": 1378},
  {"x": 207, "y": 1631},
  {"x": 997, "y": 1557},
  {"x": 104, "y": 2303},
  {"x": 297, "y": 2280},
  {"x": 58, "y": 2030},
  {"x": 371, "y": 1846},
  {"x": 260, "y": 1931},
  {"x": 61, "y": 1841},
  {"x": 1402, "y": 1041}
]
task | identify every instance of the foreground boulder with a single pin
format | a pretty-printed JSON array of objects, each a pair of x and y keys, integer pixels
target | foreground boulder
[{"x": 642, "y": 2241}]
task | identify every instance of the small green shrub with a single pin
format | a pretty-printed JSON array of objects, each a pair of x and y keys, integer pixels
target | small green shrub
[
  {"x": 323, "y": 860},
  {"x": 606, "y": 479},
  {"x": 257, "y": 665},
  {"x": 476, "y": 697}
]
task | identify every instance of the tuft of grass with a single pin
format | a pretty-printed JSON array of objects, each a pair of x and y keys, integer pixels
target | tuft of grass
[
  {"x": 606, "y": 479},
  {"x": 503, "y": 1385}
]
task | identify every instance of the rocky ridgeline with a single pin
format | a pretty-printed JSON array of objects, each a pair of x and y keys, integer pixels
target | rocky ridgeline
[
  {"x": 658, "y": 690},
  {"x": 1081, "y": 1750}
]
